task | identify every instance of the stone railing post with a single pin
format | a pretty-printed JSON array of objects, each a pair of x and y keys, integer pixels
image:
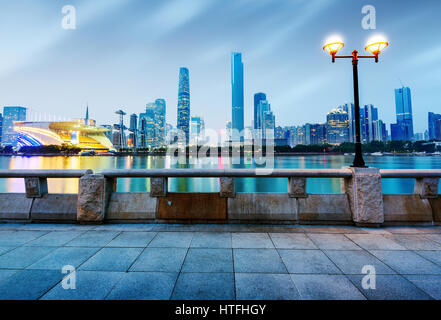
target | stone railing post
[
  {"x": 226, "y": 187},
  {"x": 297, "y": 187},
  {"x": 93, "y": 197},
  {"x": 365, "y": 196},
  {"x": 158, "y": 186},
  {"x": 36, "y": 187},
  {"x": 427, "y": 188}
]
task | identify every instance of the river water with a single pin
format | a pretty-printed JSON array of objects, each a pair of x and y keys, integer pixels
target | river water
[{"x": 390, "y": 186}]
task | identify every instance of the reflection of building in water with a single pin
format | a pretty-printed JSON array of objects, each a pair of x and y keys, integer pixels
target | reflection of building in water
[{"x": 73, "y": 133}]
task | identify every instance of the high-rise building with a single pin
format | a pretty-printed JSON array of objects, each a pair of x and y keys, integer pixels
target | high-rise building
[
  {"x": 237, "y": 96},
  {"x": 433, "y": 118},
  {"x": 438, "y": 129},
  {"x": 337, "y": 126},
  {"x": 349, "y": 109},
  {"x": 151, "y": 128},
  {"x": 257, "y": 124},
  {"x": 160, "y": 121},
  {"x": 11, "y": 114},
  {"x": 403, "y": 129},
  {"x": 196, "y": 130},
  {"x": 133, "y": 136},
  {"x": 1, "y": 126},
  {"x": 183, "y": 122},
  {"x": 379, "y": 131}
]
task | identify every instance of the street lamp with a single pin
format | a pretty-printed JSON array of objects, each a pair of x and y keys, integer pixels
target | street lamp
[{"x": 375, "y": 46}]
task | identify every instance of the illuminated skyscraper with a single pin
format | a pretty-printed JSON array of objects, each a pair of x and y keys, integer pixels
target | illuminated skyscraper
[
  {"x": 337, "y": 126},
  {"x": 433, "y": 119},
  {"x": 257, "y": 98},
  {"x": 1, "y": 125},
  {"x": 403, "y": 129},
  {"x": 152, "y": 125},
  {"x": 184, "y": 103},
  {"x": 11, "y": 114},
  {"x": 237, "y": 96}
]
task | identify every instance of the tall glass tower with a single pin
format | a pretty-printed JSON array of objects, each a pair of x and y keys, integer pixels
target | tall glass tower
[
  {"x": 184, "y": 103},
  {"x": 403, "y": 105},
  {"x": 257, "y": 98},
  {"x": 237, "y": 95}
]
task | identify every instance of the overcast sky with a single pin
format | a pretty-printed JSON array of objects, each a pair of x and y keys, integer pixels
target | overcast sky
[{"x": 126, "y": 53}]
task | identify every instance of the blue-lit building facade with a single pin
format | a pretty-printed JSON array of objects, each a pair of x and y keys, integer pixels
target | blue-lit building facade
[
  {"x": 10, "y": 115},
  {"x": 183, "y": 122},
  {"x": 403, "y": 129},
  {"x": 434, "y": 124},
  {"x": 1, "y": 128},
  {"x": 237, "y": 96},
  {"x": 257, "y": 98},
  {"x": 151, "y": 125}
]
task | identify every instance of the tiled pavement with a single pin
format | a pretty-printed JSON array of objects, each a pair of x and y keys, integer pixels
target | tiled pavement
[{"x": 141, "y": 261}]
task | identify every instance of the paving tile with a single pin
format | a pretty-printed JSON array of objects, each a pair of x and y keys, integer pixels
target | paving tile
[
  {"x": 5, "y": 249},
  {"x": 390, "y": 287},
  {"x": 63, "y": 256},
  {"x": 160, "y": 259},
  {"x": 4, "y": 274},
  {"x": 93, "y": 239},
  {"x": 211, "y": 240},
  {"x": 55, "y": 238},
  {"x": 307, "y": 261},
  {"x": 251, "y": 240},
  {"x": 406, "y": 262},
  {"x": 89, "y": 285},
  {"x": 325, "y": 287},
  {"x": 404, "y": 230},
  {"x": 172, "y": 240},
  {"x": 353, "y": 261},
  {"x": 333, "y": 242},
  {"x": 144, "y": 286},
  {"x": 18, "y": 238},
  {"x": 28, "y": 284},
  {"x": 430, "y": 284},
  {"x": 375, "y": 242},
  {"x": 125, "y": 227},
  {"x": 21, "y": 257},
  {"x": 265, "y": 286},
  {"x": 292, "y": 241},
  {"x": 433, "y": 237},
  {"x": 258, "y": 260},
  {"x": 332, "y": 229},
  {"x": 112, "y": 259},
  {"x": 208, "y": 260},
  {"x": 414, "y": 242},
  {"x": 204, "y": 286},
  {"x": 434, "y": 256},
  {"x": 132, "y": 239},
  {"x": 55, "y": 227}
]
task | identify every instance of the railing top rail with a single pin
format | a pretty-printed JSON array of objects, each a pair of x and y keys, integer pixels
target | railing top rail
[
  {"x": 40, "y": 173},
  {"x": 410, "y": 173},
  {"x": 215, "y": 173}
]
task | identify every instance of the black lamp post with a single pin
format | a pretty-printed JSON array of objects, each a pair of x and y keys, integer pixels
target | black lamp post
[{"x": 376, "y": 47}]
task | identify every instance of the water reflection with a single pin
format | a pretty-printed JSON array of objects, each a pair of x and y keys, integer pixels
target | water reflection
[{"x": 211, "y": 184}]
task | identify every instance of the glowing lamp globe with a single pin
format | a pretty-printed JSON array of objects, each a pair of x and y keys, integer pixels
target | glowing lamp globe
[
  {"x": 376, "y": 45},
  {"x": 333, "y": 45}
]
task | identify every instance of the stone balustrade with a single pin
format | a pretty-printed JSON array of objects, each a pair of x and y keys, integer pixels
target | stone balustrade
[{"x": 361, "y": 201}]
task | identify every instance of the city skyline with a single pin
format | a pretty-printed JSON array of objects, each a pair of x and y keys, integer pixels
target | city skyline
[{"x": 66, "y": 74}]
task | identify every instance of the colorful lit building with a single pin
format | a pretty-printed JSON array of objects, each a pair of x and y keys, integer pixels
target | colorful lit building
[{"x": 72, "y": 133}]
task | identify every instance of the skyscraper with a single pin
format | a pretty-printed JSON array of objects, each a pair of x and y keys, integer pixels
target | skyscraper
[
  {"x": 11, "y": 114},
  {"x": 237, "y": 96},
  {"x": 337, "y": 126},
  {"x": 196, "y": 130},
  {"x": 433, "y": 118},
  {"x": 403, "y": 129},
  {"x": 349, "y": 109},
  {"x": 152, "y": 125},
  {"x": 1, "y": 126},
  {"x": 257, "y": 98},
  {"x": 184, "y": 103}
]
